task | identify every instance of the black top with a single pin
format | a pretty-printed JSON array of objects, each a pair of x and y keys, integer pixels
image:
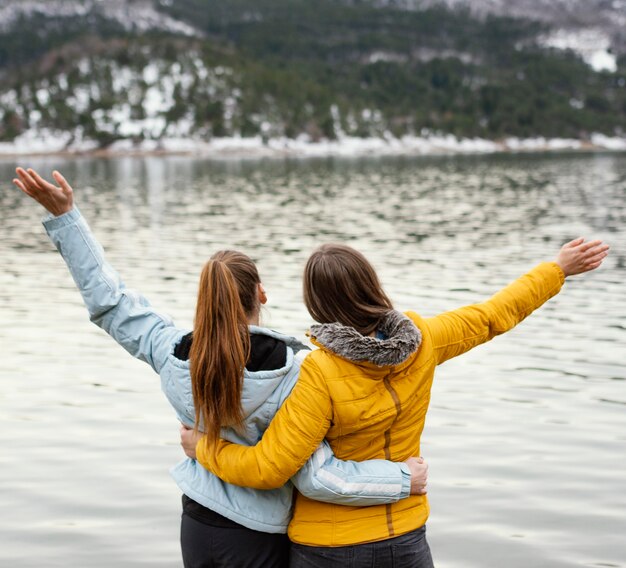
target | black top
[{"x": 266, "y": 353}]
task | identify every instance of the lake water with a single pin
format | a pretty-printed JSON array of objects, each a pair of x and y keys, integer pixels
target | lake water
[{"x": 526, "y": 436}]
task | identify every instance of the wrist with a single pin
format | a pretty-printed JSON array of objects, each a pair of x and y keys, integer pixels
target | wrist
[
  {"x": 405, "y": 480},
  {"x": 52, "y": 222},
  {"x": 562, "y": 267},
  {"x": 63, "y": 211}
]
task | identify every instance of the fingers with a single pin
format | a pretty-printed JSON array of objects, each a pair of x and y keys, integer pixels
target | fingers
[
  {"x": 56, "y": 200},
  {"x": 32, "y": 179},
  {"x": 62, "y": 181},
  {"x": 27, "y": 184},
  {"x": 592, "y": 254},
  {"x": 593, "y": 263},
  {"x": 26, "y": 179},
  {"x": 43, "y": 184},
  {"x": 597, "y": 257},
  {"x": 584, "y": 247},
  {"x": 21, "y": 186},
  {"x": 574, "y": 243},
  {"x": 419, "y": 475},
  {"x": 35, "y": 184},
  {"x": 578, "y": 256},
  {"x": 602, "y": 248}
]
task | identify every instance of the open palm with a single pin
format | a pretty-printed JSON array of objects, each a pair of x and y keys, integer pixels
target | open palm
[{"x": 56, "y": 199}]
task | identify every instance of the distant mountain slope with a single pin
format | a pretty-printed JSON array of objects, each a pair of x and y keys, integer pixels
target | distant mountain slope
[
  {"x": 107, "y": 70},
  {"x": 140, "y": 15},
  {"x": 596, "y": 29},
  {"x": 609, "y": 15}
]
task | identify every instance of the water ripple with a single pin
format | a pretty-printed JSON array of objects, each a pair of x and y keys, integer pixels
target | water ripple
[{"x": 524, "y": 436}]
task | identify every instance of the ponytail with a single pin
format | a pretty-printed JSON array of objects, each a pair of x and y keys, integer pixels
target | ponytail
[{"x": 219, "y": 350}]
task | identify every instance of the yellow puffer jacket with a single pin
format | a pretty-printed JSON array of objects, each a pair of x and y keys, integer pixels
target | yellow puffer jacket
[{"x": 369, "y": 411}]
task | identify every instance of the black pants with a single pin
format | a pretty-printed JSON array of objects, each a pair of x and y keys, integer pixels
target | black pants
[
  {"x": 209, "y": 540},
  {"x": 406, "y": 551}
]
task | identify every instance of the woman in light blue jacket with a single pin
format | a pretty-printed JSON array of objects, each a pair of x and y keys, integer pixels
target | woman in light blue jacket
[{"x": 237, "y": 373}]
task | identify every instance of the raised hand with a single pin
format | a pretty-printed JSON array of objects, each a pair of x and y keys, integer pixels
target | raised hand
[
  {"x": 419, "y": 475},
  {"x": 579, "y": 256},
  {"x": 56, "y": 199}
]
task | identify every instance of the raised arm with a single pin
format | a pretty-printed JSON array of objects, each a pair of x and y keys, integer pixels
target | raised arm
[
  {"x": 458, "y": 331},
  {"x": 291, "y": 438},
  {"x": 124, "y": 314}
]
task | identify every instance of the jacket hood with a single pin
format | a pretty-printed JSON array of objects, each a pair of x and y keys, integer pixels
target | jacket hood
[
  {"x": 292, "y": 342},
  {"x": 258, "y": 386},
  {"x": 402, "y": 340}
]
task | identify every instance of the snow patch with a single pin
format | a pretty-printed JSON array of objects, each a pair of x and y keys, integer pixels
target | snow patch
[
  {"x": 79, "y": 100},
  {"x": 43, "y": 141},
  {"x": 43, "y": 96},
  {"x": 132, "y": 15},
  {"x": 386, "y": 57},
  {"x": 122, "y": 78},
  {"x": 151, "y": 73},
  {"x": 541, "y": 144},
  {"x": 35, "y": 141},
  {"x": 593, "y": 45},
  {"x": 609, "y": 143}
]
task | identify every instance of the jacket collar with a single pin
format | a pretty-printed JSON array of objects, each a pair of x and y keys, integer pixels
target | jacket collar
[
  {"x": 292, "y": 342},
  {"x": 402, "y": 340}
]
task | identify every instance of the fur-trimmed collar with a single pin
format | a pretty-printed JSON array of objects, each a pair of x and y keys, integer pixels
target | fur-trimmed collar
[{"x": 403, "y": 339}]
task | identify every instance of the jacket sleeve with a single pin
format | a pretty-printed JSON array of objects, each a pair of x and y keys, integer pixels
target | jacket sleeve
[
  {"x": 292, "y": 436},
  {"x": 373, "y": 482},
  {"x": 456, "y": 332},
  {"x": 124, "y": 314}
]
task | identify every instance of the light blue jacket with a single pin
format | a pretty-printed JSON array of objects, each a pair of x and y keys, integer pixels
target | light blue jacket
[{"x": 150, "y": 336}]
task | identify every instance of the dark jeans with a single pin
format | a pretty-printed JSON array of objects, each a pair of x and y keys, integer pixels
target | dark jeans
[
  {"x": 209, "y": 540},
  {"x": 407, "y": 551}
]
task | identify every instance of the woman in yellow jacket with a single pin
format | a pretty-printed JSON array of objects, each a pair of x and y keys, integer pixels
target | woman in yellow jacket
[{"x": 366, "y": 390}]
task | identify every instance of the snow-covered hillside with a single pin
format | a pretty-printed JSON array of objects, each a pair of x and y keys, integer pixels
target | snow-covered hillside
[
  {"x": 86, "y": 75},
  {"x": 592, "y": 28},
  {"x": 595, "y": 29},
  {"x": 139, "y": 15}
]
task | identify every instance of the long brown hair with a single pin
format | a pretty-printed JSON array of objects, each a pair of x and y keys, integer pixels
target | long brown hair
[
  {"x": 220, "y": 348},
  {"x": 340, "y": 285}
]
